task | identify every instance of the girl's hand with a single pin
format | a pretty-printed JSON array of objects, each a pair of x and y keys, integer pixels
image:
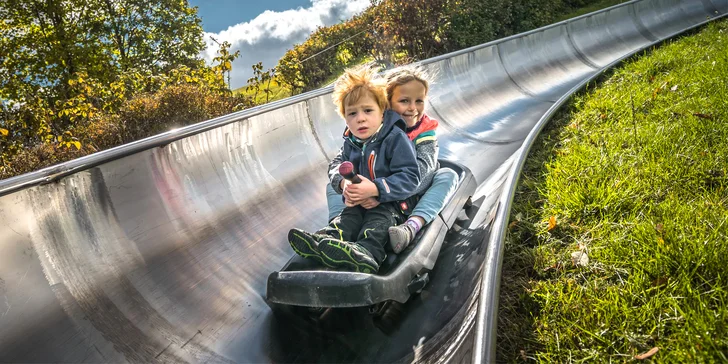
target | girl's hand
[
  {"x": 361, "y": 191},
  {"x": 344, "y": 183},
  {"x": 350, "y": 203},
  {"x": 369, "y": 203}
]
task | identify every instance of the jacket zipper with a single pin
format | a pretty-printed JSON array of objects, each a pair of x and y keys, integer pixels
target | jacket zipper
[
  {"x": 372, "y": 161},
  {"x": 363, "y": 155}
]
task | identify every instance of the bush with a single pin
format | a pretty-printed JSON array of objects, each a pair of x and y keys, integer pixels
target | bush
[
  {"x": 174, "y": 107},
  {"x": 477, "y": 21},
  {"x": 149, "y": 114},
  {"x": 44, "y": 155},
  {"x": 410, "y": 30},
  {"x": 326, "y": 52}
]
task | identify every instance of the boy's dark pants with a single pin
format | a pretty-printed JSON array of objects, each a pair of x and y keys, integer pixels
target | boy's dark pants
[{"x": 368, "y": 228}]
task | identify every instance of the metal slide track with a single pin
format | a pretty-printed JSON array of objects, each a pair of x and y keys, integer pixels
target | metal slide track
[{"x": 159, "y": 250}]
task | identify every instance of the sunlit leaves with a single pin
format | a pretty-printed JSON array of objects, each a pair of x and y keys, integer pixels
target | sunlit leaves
[
  {"x": 407, "y": 30},
  {"x": 223, "y": 60},
  {"x": 260, "y": 81},
  {"x": 477, "y": 21},
  {"x": 552, "y": 223},
  {"x": 64, "y": 63}
]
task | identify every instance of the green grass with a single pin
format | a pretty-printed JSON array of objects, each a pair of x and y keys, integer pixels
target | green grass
[
  {"x": 278, "y": 92},
  {"x": 589, "y": 8},
  {"x": 634, "y": 172},
  {"x": 340, "y": 70}
]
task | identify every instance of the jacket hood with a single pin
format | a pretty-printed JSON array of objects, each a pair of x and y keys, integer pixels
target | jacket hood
[{"x": 424, "y": 125}]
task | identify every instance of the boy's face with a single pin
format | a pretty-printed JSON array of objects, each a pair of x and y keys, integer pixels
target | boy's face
[
  {"x": 408, "y": 100},
  {"x": 364, "y": 116}
]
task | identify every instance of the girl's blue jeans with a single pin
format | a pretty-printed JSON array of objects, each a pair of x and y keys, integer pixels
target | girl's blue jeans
[{"x": 431, "y": 203}]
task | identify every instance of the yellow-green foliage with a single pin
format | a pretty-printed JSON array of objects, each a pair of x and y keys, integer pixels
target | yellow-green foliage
[
  {"x": 395, "y": 32},
  {"x": 73, "y": 98},
  {"x": 327, "y": 51},
  {"x": 94, "y": 115},
  {"x": 174, "y": 107},
  {"x": 277, "y": 91},
  {"x": 142, "y": 116},
  {"x": 68, "y": 84}
]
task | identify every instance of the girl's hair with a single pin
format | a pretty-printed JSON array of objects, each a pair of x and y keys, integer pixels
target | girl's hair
[
  {"x": 404, "y": 75},
  {"x": 355, "y": 83}
]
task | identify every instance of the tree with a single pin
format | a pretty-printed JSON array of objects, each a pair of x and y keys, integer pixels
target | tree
[
  {"x": 224, "y": 60},
  {"x": 268, "y": 76},
  {"x": 44, "y": 43},
  {"x": 260, "y": 78},
  {"x": 152, "y": 35},
  {"x": 478, "y": 21},
  {"x": 63, "y": 61},
  {"x": 327, "y": 51},
  {"x": 48, "y": 41},
  {"x": 409, "y": 30},
  {"x": 255, "y": 82}
]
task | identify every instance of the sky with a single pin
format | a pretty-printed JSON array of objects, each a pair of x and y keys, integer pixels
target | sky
[{"x": 264, "y": 29}]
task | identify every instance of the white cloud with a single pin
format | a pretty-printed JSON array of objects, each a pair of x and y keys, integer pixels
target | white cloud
[{"x": 267, "y": 37}]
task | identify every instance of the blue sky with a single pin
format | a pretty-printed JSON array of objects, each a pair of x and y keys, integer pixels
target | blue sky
[
  {"x": 263, "y": 30},
  {"x": 218, "y": 15}
]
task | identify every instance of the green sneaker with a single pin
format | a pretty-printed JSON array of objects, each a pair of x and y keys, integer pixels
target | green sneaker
[
  {"x": 306, "y": 245},
  {"x": 347, "y": 255}
]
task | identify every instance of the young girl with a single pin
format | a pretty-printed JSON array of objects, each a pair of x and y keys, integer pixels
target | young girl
[{"x": 407, "y": 90}]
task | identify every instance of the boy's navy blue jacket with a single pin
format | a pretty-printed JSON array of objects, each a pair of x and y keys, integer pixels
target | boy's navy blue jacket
[{"x": 388, "y": 159}]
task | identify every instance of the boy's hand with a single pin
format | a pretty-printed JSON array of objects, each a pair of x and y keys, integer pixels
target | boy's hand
[
  {"x": 369, "y": 203},
  {"x": 361, "y": 191}
]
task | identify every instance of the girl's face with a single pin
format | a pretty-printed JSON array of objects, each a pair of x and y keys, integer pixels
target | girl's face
[{"x": 408, "y": 100}]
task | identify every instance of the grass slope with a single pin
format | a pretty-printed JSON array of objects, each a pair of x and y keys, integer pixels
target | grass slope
[
  {"x": 632, "y": 176},
  {"x": 278, "y": 92}
]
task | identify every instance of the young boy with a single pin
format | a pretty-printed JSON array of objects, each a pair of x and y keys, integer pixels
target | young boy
[
  {"x": 376, "y": 144},
  {"x": 407, "y": 90}
]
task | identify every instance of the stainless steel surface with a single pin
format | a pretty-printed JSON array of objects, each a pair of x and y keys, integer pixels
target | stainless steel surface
[{"x": 159, "y": 250}]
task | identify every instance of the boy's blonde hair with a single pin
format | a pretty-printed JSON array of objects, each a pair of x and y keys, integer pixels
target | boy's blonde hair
[
  {"x": 404, "y": 75},
  {"x": 355, "y": 83}
]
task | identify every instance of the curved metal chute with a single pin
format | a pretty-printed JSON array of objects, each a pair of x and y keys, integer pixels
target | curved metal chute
[{"x": 159, "y": 250}]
